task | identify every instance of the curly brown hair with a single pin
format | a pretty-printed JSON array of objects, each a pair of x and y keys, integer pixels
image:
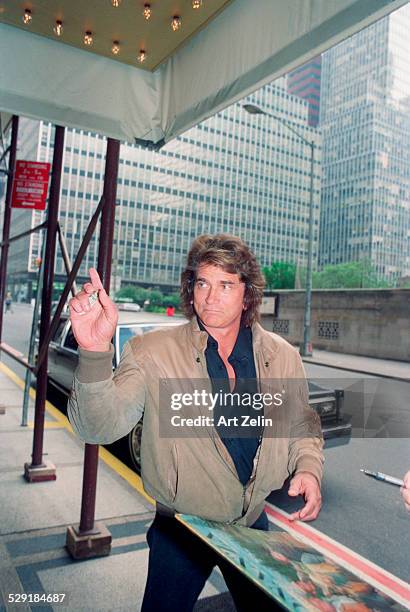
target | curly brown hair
[{"x": 235, "y": 257}]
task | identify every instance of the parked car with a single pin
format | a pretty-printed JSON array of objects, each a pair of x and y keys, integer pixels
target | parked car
[
  {"x": 128, "y": 306},
  {"x": 62, "y": 361}
]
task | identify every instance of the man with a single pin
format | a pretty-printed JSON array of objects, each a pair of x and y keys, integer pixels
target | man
[
  {"x": 216, "y": 476},
  {"x": 8, "y": 302},
  {"x": 170, "y": 311}
]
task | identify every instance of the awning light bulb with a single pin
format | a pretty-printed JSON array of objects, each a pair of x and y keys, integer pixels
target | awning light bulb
[
  {"x": 88, "y": 38},
  {"x": 27, "y": 17},
  {"x": 176, "y": 22},
  {"x": 58, "y": 28},
  {"x": 147, "y": 11}
]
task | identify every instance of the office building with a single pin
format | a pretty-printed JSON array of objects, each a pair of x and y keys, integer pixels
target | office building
[
  {"x": 305, "y": 83},
  {"x": 365, "y": 124},
  {"x": 237, "y": 173}
]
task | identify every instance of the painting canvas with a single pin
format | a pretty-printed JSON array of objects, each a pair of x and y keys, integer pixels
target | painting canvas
[{"x": 294, "y": 574}]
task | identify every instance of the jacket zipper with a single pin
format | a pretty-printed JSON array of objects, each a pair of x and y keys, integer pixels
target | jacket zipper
[
  {"x": 245, "y": 486},
  {"x": 243, "y": 498},
  {"x": 258, "y": 375},
  {"x": 202, "y": 361},
  {"x": 250, "y": 479}
]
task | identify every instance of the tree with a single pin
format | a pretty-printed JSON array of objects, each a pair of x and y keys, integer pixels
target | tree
[
  {"x": 157, "y": 300},
  {"x": 351, "y": 275},
  {"x": 137, "y": 294},
  {"x": 172, "y": 299},
  {"x": 280, "y": 275}
]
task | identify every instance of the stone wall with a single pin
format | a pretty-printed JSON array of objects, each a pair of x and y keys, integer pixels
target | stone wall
[{"x": 371, "y": 322}]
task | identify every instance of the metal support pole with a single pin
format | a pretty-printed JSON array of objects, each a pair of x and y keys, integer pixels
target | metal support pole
[
  {"x": 108, "y": 213},
  {"x": 39, "y": 471},
  {"x": 93, "y": 539},
  {"x": 7, "y": 216},
  {"x": 104, "y": 270},
  {"x": 5, "y": 153},
  {"x": 306, "y": 348},
  {"x": 24, "y": 234},
  {"x": 43, "y": 350},
  {"x": 34, "y": 325},
  {"x": 64, "y": 252}
]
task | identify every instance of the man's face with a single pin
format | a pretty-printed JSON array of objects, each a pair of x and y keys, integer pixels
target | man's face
[{"x": 218, "y": 297}]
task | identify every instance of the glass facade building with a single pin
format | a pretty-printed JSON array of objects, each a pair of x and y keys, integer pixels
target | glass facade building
[
  {"x": 365, "y": 123},
  {"x": 305, "y": 82},
  {"x": 237, "y": 173}
]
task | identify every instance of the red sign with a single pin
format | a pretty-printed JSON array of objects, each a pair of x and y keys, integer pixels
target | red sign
[{"x": 30, "y": 185}]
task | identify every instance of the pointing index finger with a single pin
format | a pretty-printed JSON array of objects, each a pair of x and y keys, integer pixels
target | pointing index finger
[{"x": 95, "y": 279}]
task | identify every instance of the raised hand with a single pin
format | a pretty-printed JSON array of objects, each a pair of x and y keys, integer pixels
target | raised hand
[{"x": 93, "y": 325}]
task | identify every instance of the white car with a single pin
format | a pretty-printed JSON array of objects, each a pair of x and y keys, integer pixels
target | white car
[
  {"x": 128, "y": 306},
  {"x": 63, "y": 358}
]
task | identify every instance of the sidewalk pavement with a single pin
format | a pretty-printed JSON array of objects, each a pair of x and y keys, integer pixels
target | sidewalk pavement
[
  {"x": 34, "y": 519},
  {"x": 399, "y": 370}
]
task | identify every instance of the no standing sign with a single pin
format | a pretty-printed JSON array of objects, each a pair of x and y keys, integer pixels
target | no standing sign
[{"x": 30, "y": 185}]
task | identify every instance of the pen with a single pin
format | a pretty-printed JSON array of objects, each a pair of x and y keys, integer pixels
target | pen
[{"x": 384, "y": 477}]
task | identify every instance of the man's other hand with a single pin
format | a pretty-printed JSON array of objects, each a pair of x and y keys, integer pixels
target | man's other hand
[{"x": 304, "y": 483}]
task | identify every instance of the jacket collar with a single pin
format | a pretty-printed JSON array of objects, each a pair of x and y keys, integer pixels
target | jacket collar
[
  {"x": 262, "y": 339},
  {"x": 196, "y": 335}
]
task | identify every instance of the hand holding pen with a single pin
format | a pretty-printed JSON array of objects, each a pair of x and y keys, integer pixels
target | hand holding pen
[
  {"x": 383, "y": 477},
  {"x": 403, "y": 484},
  {"x": 405, "y": 491}
]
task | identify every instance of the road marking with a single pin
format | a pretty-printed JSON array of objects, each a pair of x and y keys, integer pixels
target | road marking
[
  {"x": 12, "y": 375},
  {"x": 52, "y": 410},
  {"x": 133, "y": 479},
  {"x": 48, "y": 425},
  {"x": 376, "y": 576}
]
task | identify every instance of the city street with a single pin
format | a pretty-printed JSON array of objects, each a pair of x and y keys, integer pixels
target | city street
[
  {"x": 241, "y": 165},
  {"x": 365, "y": 515}
]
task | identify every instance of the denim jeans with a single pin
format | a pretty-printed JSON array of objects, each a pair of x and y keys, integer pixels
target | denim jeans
[{"x": 180, "y": 564}]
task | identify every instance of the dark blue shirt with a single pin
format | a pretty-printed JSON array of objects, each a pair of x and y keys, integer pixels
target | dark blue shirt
[{"x": 241, "y": 449}]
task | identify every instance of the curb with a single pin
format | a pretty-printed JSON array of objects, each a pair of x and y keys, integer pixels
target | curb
[{"x": 338, "y": 367}]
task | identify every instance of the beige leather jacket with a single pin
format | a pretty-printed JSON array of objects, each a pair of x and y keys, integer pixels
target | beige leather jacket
[{"x": 196, "y": 475}]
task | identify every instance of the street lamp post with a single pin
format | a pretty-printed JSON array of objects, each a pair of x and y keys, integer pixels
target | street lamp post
[{"x": 306, "y": 347}]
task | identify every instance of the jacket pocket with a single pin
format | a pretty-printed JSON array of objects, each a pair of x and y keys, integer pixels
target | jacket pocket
[
  {"x": 173, "y": 474},
  {"x": 274, "y": 468}
]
